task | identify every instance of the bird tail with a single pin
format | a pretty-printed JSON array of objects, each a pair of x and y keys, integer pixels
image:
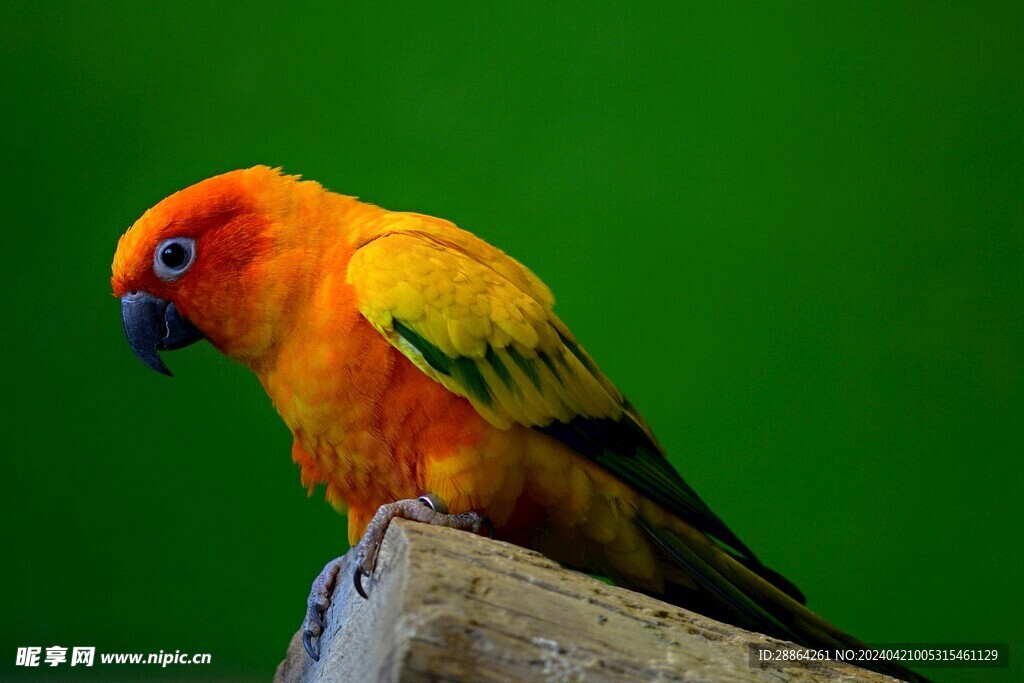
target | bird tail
[{"x": 752, "y": 597}]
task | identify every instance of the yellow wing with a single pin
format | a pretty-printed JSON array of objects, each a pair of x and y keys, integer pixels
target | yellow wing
[{"x": 480, "y": 323}]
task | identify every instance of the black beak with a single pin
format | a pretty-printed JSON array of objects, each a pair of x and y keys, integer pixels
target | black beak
[{"x": 152, "y": 325}]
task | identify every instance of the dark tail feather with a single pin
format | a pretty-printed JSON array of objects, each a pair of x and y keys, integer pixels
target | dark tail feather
[
  {"x": 774, "y": 578},
  {"x": 729, "y": 590}
]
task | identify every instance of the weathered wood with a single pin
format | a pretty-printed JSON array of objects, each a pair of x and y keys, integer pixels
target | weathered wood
[{"x": 449, "y": 606}]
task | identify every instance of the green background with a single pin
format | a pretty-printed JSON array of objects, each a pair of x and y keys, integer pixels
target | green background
[{"x": 792, "y": 234}]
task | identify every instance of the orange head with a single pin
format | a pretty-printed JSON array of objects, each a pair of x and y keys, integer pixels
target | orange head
[{"x": 223, "y": 259}]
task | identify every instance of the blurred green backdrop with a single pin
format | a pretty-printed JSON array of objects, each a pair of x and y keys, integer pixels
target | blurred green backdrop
[{"x": 792, "y": 234}]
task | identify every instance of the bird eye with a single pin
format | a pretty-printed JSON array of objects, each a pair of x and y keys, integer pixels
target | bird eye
[{"x": 173, "y": 257}]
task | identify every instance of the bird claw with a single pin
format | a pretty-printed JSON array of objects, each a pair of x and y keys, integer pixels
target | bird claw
[
  {"x": 357, "y": 580},
  {"x": 318, "y": 618},
  {"x": 307, "y": 642},
  {"x": 316, "y": 606},
  {"x": 428, "y": 509}
]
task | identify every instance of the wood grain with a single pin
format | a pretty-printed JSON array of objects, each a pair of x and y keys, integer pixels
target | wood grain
[{"x": 449, "y": 606}]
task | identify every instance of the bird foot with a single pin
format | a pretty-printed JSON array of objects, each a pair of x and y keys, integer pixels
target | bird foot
[
  {"x": 426, "y": 509},
  {"x": 317, "y": 603}
]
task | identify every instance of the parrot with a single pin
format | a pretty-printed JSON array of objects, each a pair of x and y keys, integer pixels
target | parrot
[{"x": 424, "y": 374}]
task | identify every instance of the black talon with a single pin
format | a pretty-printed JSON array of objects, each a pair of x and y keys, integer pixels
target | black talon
[
  {"x": 357, "y": 579},
  {"x": 307, "y": 642},
  {"x": 315, "y": 613}
]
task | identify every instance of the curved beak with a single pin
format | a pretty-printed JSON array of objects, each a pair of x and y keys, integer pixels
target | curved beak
[{"x": 153, "y": 325}]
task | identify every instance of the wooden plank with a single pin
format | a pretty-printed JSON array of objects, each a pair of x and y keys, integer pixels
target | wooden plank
[{"x": 446, "y": 605}]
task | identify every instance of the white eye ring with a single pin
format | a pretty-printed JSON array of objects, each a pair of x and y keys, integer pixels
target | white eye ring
[{"x": 173, "y": 257}]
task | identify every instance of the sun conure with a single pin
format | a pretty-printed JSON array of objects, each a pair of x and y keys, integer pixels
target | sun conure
[{"x": 409, "y": 357}]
